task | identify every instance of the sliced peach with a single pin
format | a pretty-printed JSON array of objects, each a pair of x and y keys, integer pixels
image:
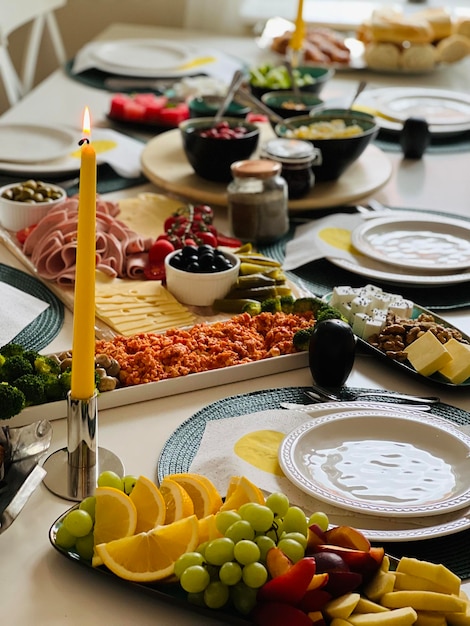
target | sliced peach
[
  {"x": 291, "y": 586},
  {"x": 278, "y": 614},
  {"x": 347, "y": 537},
  {"x": 314, "y": 600}
]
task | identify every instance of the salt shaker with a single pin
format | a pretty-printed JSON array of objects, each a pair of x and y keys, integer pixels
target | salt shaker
[{"x": 257, "y": 201}]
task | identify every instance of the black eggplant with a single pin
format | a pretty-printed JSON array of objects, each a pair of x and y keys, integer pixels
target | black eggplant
[{"x": 332, "y": 350}]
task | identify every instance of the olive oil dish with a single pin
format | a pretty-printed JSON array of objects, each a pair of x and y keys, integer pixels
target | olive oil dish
[{"x": 405, "y": 334}]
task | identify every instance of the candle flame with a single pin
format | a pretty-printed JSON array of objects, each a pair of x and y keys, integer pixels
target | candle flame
[{"x": 86, "y": 121}]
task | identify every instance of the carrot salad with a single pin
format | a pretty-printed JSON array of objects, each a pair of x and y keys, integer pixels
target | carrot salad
[{"x": 149, "y": 357}]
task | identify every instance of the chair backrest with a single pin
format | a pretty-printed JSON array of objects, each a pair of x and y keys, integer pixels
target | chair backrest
[{"x": 13, "y": 15}]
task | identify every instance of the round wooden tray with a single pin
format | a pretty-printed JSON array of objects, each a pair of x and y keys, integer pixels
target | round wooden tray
[{"x": 165, "y": 164}]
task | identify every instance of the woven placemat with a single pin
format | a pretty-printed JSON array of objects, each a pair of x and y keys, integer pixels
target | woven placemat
[
  {"x": 47, "y": 325},
  {"x": 320, "y": 277},
  {"x": 390, "y": 142},
  {"x": 181, "y": 448}
]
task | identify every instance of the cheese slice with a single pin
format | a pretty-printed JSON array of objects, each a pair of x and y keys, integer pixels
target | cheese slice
[
  {"x": 458, "y": 369},
  {"x": 427, "y": 354}
]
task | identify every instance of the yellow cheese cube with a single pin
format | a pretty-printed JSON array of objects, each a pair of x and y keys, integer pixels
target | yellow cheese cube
[
  {"x": 427, "y": 354},
  {"x": 458, "y": 369}
]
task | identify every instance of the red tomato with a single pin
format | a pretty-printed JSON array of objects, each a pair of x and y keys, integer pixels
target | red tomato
[
  {"x": 22, "y": 234},
  {"x": 155, "y": 272},
  {"x": 159, "y": 250},
  {"x": 207, "y": 237}
]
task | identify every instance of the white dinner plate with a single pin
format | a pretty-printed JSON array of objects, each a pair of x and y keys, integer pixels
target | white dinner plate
[
  {"x": 141, "y": 57},
  {"x": 381, "y": 463},
  {"x": 447, "y": 112},
  {"x": 421, "y": 242},
  {"x": 32, "y": 143}
]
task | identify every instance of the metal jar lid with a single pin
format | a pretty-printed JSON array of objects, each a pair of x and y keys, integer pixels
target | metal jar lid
[
  {"x": 256, "y": 168},
  {"x": 289, "y": 151}
]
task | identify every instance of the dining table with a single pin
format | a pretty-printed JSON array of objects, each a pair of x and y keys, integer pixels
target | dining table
[{"x": 38, "y": 585}]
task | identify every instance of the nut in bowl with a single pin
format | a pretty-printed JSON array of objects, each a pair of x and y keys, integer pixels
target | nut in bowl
[
  {"x": 341, "y": 135},
  {"x": 212, "y": 148},
  {"x": 289, "y": 104},
  {"x": 199, "y": 275},
  {"x": 23, "y": 204}
]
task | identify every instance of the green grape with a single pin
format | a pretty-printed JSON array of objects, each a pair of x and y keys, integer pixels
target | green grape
[
  {"x": 128, "y": 483},
  {"x": 88, "y": 505},
  {"x": 195, "y": 579},
  {"x": 202, "y": 548},
  {"x": 110, "y": 479},
  {"x": 292, "y": 549},
  {"x": 216, "y": 595},
  {"x": 246, "y": 551},
  {"x": 196, "y": 598},
  {"x": 320, "y": 519},
  {"x": 295, "y": 521},
  {"x": 254, "y": 575},
  {"x": 63, "y": 538},
  {"x": 230, "y": 573},
  {"x": 299, "y": 537},
  {"x": 260, "y": 517},
  {"x": 78, "y": 523},
  {"x": 240, "y": 530},
  {"x": 85, "y": 546},
  {"x": 264, "y": 544},
  {"x": 219, "y": 551},
  {"x": 278, "y": 503},
  {"x": 243, "y": 598},
  {"x": 224, "y": 519},
  {"x": 186, "y": 560}
]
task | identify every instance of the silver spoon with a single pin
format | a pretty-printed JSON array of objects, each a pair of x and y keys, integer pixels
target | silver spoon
[
  {"x": 360, "y": 88},
  {"x": 324, "y": 393},
  {"x": 232, "y": 88},
  {"x": 290, "y": 71},
  {"x": 245, "y": 96}
]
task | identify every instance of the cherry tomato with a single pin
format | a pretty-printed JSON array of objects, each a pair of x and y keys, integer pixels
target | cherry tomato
[
  {"x": 230, "y": 242},
  {"x": 159, "y": 250},
  {"x": 207, "y": 237},
  {"x": 22, "y": 234},
  {"x": 155, "y": 272}
]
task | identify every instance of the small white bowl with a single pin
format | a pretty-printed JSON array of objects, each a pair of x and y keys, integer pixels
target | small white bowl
[
  {"x": 17, "y": 214},
  {"x": 201, "y": 288}
]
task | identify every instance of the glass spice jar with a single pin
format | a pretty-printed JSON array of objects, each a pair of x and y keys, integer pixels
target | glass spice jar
[
  {"x": 296, "y": 157},
  {"x": 257, "y": 201}
]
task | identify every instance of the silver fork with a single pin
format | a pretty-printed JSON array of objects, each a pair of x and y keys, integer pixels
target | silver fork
[{"x": 319, "y": 392}]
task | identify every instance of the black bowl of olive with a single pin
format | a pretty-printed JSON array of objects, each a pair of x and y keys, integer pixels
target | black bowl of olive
[{"x": 198, "y": 275}]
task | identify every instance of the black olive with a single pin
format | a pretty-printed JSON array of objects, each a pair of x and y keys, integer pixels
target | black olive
[
  {"x": 206, "y": 261},
  {"x": 189, "y": 251},
  {"x": 331, "y": 352}
]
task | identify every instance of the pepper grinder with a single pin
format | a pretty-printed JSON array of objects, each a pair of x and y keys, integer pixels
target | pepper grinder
[{"x": 415, "y": 137}]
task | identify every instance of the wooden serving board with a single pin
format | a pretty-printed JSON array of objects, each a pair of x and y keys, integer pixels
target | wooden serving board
[{"x": 165, "y": 164}]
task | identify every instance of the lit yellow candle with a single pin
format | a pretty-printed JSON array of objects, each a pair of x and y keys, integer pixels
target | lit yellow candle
[
  {"x": 83, "y": 349},
  {"x": 298, "y": 36}
]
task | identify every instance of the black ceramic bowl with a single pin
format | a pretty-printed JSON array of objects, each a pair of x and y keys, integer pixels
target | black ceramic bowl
[
  {"x": 211, "y": 157},
  {"x": 288, "y": 104},
  {"x": 338, "y": 153},
  {"x": 310, "y": 79},
  {"x": 206, "y": 106}
]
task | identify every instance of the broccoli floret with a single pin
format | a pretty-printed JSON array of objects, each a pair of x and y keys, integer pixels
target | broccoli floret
[
  {"x": 12, "y": 401},
  {"x": 31, "y": 356},
  {"x": 14, "y": 367},
  {"x": 11, "y": 349},
  {"x": 301, "y": 339},
  {"x": 271, "y": 305},
  {"x": 328, "y": 312},
  {"x": 46, "y": 365},
  {"x": 287, "y": 304},
  {"x": 33, "y": 388},
  {"x": 66, "y": 381},
  {"x": 306, "y": 305},
  {"x": 253, "y": 308},
  {"x": 53, "y": 388}
]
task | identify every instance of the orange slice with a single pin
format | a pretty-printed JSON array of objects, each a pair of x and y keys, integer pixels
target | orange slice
[
  {"x": 150, "y": 504},
  {"x": 240, "y": 491},
  {"x": 115, "y": 515},
  {"x": 177, "y": 501},
  {"x": 202, "y": 491},
  {"x": 148, "y": 557},
  {"x": 208, "y": 529}
]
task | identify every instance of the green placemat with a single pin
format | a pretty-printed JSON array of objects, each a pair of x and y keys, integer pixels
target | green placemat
[
  {"x": 321, "y": 276},
  {"x": 47, "y": 325},
  {"x": 181, "y": 448}
]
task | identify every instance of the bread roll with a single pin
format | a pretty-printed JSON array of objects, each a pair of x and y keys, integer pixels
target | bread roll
[
  {"x": 382, "y": 56},
  {"x": 453, "y": 49},
  {"x": 439, "y": 19},
  {"x": 419, "y": 57},
  {"x": 393, "y": 27},
  {"x": 462, "y": 27}
]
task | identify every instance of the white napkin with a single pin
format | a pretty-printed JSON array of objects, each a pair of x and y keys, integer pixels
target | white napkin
[
  {"x": 121, "y": 152},
  {"x": 327, "y": 237},
  {"x": 219, "y": 65},
  {"x": 17, "y": 310},
  {"x": 218, "y": 459}
]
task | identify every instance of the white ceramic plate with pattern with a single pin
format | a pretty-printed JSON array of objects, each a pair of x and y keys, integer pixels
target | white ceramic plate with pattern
[{"x": 381, "y": 463}]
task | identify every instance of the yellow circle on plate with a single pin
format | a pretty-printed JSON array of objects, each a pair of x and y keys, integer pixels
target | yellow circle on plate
[
  {"x": 337, "y": 237},
  {"x": 260, "y": 449},
  {"x": 100, "y": 146}
]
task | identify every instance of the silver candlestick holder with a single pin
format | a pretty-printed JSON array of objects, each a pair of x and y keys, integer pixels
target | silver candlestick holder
[{"x": 72, "y": 472}]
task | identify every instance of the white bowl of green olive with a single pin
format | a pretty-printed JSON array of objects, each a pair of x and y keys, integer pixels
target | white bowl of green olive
[{"x": 23, "y": 204}]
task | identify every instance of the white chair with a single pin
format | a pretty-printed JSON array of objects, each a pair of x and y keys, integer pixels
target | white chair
[{"x": 13, "y": 15}]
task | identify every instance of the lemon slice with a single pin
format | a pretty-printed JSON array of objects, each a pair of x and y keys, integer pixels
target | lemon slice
[
  {"x": 150, "y": 504},
  {"x": 151, "y": 556},
  {"x": 177, "y": 501},
  {"x": 115, "y": 515},
  {"x": 240, "y": 491},
  {"x": 208, "y": 529},
  {"x": 202, "y": 491}
]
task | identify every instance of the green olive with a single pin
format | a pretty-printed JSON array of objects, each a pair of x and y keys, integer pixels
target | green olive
[{"x": 32, "y": 192}]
